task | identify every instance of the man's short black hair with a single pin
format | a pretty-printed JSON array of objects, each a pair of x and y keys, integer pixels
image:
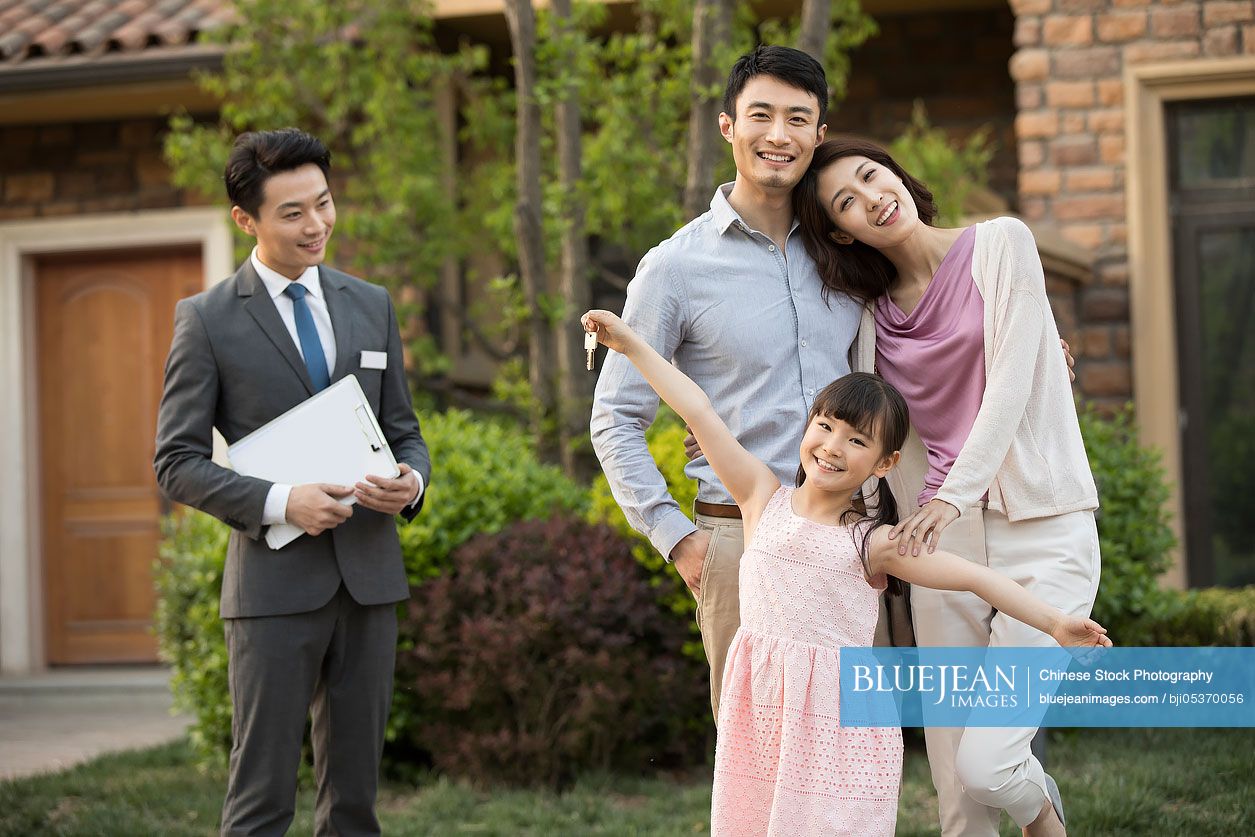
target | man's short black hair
[
  {"x": 791, "y": 66},
  {"x": 259, "y": 155}
]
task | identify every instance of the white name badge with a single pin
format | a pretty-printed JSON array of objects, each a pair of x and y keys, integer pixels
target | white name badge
[{"x": 374, "y": 360}]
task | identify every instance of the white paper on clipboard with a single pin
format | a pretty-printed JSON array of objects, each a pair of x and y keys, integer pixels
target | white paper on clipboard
[{"x": 330, "y": 437}]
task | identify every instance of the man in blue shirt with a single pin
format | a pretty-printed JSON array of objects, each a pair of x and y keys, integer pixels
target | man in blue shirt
[{"x": 734, "y": 299}]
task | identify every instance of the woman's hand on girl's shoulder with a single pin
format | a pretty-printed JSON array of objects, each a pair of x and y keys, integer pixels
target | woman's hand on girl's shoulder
[
  {"x": 883, "y": 557},
  {"x": 1080, "y": 631},
  {"x": 923, "y": 528}
]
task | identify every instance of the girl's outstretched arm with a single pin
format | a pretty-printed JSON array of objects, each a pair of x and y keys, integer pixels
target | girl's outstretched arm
[
  {"x": 947, "y": 571},
  {"x": 748, "y": 480}
]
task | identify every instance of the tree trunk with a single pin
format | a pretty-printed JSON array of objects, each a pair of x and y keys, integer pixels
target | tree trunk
[
  {"x": 575, "y": 382},
  {"x": 712, "y": 25},
  {"x": 813, "y": 34},
  {"x": 528, "y": 225}
]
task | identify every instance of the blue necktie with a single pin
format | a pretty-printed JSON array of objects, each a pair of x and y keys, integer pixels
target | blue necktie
[{"x": 311, "y": 347}]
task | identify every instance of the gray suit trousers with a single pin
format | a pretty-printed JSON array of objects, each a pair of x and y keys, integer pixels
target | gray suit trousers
[{"x": 340, "y": 658}]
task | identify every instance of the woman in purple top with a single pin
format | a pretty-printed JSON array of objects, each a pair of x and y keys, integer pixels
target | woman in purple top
[{"x": 994, "y": 467}]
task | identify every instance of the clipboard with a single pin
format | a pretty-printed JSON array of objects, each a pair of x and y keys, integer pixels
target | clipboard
[{"x": 332, "y": 436}]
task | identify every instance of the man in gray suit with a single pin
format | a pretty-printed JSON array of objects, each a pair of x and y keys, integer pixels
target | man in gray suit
[{"x": 311, "y": 625}]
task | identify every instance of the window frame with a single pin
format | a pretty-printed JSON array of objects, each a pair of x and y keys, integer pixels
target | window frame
[{"x": 1152, "y": 295}]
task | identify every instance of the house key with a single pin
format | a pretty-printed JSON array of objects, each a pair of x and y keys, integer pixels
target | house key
[{"x": 590, "y": 347}]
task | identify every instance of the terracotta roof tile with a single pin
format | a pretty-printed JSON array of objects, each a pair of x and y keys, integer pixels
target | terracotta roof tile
[
  {"x": 33, "y": 29},
  {"x": 9, "y": 21},
  {"x": 172, "y": 32}
]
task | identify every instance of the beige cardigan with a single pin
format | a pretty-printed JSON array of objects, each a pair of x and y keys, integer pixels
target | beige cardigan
[{"x": 1025, "y": 446}]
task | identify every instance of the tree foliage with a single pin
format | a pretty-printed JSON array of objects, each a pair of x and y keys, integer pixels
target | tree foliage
[
  {"x": 419, "y": 196},
  {"x": 367, "y": 78},
  {"x": 637, "y": 89}
]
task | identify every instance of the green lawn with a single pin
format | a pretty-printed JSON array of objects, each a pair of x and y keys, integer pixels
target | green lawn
[{"x": 1115, "y": 782}]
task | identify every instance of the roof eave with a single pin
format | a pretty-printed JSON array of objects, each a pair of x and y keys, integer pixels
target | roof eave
[{"x": 78, "y": 71}]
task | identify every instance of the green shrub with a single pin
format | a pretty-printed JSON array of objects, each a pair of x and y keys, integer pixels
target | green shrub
[
  {"x": 485, "y": 477},
  {"x": 1133, "y": 530},
  {"x": 542, "y": 654},
  {"x": 189, "y": 632},
  {"x": 665, "y": 438},
  {"x": 1211, "y": 616}
]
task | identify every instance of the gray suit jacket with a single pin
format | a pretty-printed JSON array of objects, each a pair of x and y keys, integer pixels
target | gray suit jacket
[{"x": 233, "y": 365}]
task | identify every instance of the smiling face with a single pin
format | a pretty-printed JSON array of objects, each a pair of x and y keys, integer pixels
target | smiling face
[
  {"x": 294, "y": 222},
  {"x": 837, "y": 456},
  {"x": 774, "y": 134},
  {"x": 867, "y": 202}
]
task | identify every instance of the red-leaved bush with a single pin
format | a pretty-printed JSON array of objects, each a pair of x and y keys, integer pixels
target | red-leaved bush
[{"x": 544, "y": 653}]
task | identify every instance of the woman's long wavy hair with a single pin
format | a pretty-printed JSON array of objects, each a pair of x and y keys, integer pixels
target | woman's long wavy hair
[
  {"x": 874, "y": 406},
  {"x": 855, "y": 268}
]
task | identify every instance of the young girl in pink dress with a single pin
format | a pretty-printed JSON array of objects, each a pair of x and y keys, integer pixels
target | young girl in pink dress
[{"x": 813, "y": 568}]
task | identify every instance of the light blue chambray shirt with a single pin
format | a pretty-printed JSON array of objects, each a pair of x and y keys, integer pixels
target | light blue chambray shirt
[{"x": 750, "y": 327}]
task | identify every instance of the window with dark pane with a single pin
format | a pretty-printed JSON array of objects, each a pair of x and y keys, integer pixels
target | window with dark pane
[{"x": 1212, "y": 178}]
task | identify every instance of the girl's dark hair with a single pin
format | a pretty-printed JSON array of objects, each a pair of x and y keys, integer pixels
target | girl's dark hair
[
  {"x": 259, "y": 155},
  {"x": 874, "y": 406},
  {"x": 855, "y": 268}
]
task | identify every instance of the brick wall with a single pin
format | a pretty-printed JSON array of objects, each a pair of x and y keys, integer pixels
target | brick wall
[
  {"x": 1067, "y": 68},
  {"x": 1064, "y": 292},
  {"x": 957, "y": 63},
  {"x": 84, "y": 167}
]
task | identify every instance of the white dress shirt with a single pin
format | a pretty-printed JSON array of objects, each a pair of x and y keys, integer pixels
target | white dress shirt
[
  {"x": 275, "y": 510},
  {"x": 277, "y": 283}
]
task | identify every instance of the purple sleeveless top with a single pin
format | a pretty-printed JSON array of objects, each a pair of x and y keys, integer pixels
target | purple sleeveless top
[{"x": 935, "y": 356}]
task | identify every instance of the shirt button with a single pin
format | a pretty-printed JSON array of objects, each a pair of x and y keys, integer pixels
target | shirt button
[
  {"x": 810, "y": 391},
  {"x": 803, "y": 344},
  {"x": 771, "y": 248}
]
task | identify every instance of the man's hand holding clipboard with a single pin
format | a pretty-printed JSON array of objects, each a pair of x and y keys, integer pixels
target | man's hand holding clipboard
[
  {"x": 385, "y": 495},
  {"x": 315, "y": 507}
]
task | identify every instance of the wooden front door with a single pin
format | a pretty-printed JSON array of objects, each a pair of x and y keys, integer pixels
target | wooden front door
[{"x": 104, "y": 324}]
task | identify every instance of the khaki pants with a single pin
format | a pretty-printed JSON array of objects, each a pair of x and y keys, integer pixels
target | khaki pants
[
  {"x": 980, "y": 772},
  {"x": 719, "y": 605}
]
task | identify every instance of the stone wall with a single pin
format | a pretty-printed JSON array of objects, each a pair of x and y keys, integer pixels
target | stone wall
[{"x": 1068, "y": 66}]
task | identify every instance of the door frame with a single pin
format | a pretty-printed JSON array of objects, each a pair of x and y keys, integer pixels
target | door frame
[
  {"x": 1152, "y": 308},
  {"x": 22, "y": 647}
]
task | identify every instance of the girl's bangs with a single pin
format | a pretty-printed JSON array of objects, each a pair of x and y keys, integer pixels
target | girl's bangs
[
  {"x": 863, "y": 410},
  {"x": 866, "y": 402}
]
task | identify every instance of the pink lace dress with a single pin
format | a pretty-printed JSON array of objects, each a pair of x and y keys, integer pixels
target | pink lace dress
[{"x": 783, "y": 763}]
